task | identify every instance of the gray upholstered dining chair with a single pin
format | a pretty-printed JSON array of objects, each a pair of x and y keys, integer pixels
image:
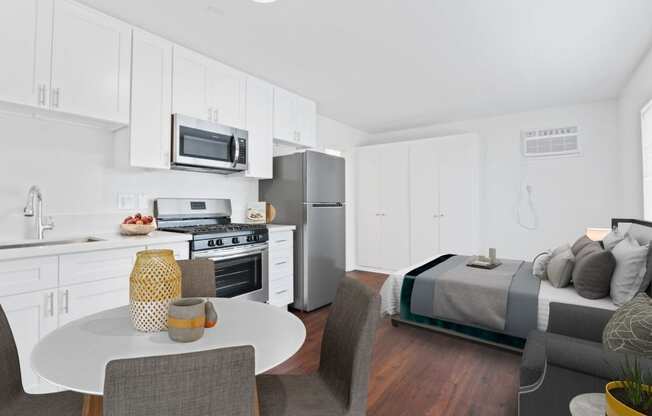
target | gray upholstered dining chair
[
  {"x": 197, "y": 278},
  {"x": 13, "y": 399},
  {"x": 214, "y": 382},
  {"x": 340, "y": 386}
]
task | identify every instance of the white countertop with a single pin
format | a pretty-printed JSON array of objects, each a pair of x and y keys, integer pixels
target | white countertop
[
  {"x": 107, "y": 241},
  {"x": 280, "y": 227}
]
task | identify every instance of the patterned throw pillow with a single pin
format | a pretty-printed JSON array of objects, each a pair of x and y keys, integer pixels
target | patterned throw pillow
[{"x": 630, "y": 328}]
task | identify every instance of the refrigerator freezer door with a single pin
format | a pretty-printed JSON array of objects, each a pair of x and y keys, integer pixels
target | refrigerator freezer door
[
  {"x": 324, "y": 254},
  {"x": 324, "y": 180}
]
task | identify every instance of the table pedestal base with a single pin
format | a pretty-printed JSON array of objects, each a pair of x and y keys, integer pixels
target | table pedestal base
[{"x": 92, "y": 405}]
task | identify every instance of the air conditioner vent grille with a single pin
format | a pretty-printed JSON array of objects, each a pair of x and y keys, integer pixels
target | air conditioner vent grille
[{"x": 562, "y": 141}]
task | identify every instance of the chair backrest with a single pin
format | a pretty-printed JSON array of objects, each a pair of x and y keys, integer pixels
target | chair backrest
[
  {"x": 215, "y": 382},
  {"x": 347, "y": 345},
  {"x": 11, "y": 384},
  {"x": 197, "y": 278}
]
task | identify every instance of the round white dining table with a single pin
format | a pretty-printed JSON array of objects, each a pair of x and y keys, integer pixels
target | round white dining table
[{"x": 74, "y": 356}]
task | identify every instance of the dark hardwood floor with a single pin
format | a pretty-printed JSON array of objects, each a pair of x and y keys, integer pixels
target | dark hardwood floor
[{"x": 418, "y": 372}]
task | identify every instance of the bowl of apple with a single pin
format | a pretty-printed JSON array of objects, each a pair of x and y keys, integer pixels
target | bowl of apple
[{"x": 138, "y": 225}]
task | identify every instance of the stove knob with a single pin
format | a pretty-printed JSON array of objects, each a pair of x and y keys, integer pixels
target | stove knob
[
  {"x": 219, "y": 242},
  {"x": 250, "y": 238},
  {"x": 255, "y": 238},
  {"x": 211, "y": 243},
  {"x": 235, "y": 240}
]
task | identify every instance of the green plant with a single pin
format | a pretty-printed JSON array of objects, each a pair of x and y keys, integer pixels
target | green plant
[{"x": 636, "y": 384}]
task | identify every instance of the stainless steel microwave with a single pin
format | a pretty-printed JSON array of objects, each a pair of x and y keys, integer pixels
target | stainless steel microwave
[{"x": 206, "y": 146}]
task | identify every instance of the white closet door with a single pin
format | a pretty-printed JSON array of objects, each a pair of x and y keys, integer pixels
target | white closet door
[
  {"x": 25, "y": 43},
  {"x": 424, "y": 196},
  {"x": 368, "y": 201},
  {"x": 458, "y": 161},
  {"x": 395, "y": 206}
]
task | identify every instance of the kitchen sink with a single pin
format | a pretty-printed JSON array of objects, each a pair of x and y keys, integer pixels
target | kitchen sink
[{"x": 46, "y": 243}]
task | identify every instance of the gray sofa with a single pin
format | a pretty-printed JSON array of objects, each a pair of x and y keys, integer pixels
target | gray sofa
[{"x": 567, "y": 360}]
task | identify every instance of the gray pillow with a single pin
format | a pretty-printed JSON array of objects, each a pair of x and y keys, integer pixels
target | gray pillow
[
  {"x": 592, "y": 272},
  {"x": 592, "y": 247},
  {"x": 630, "y": 328},
  {"x": 629, "y": 273},
  {"x": 612, "y": 239},
  {"x": 581, "y": 242},
  {"x": 560, "y": 268}
]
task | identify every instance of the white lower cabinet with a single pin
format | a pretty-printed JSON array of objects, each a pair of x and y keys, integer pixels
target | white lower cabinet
[
  {"x": 281, "y": 268},
  {"x": 31, "y": 317},
  {"x": 78, "y": 301}
]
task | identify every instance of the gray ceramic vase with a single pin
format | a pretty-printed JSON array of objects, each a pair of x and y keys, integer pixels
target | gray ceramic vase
[{"x": 186, "y": 319}]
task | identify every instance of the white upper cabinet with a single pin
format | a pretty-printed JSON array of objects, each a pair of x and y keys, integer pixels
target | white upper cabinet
[
  {"x": 226, "y": 94},
  {"x": 151, "y": 101},
  {"x": 90, "y": 63},
  {"x": 260, "y": 125},
  {"x": 26, "y": 30},
  {"x": 295, "y": 119},
  {"x": 189, "y": 84},
  {"x": 208, "y": 90}
]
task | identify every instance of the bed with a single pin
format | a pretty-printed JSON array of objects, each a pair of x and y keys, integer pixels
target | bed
[{"x": 397, "y": 298}]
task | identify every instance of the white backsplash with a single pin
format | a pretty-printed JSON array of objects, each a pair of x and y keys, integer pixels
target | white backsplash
[{"x": 82, "y": 170}]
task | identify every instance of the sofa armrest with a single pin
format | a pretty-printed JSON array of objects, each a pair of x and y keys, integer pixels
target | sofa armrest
[
  {"x": 587, "y": 357},
  {"x": 578, "y": 321}
]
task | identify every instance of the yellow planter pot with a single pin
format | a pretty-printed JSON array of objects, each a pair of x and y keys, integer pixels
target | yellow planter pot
[{"x": 616, "y": 407}]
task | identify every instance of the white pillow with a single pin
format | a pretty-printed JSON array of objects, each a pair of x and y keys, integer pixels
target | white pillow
[
  {"x": 630, "y": 269},
  {"x": 560, "y": 267},
  {"x": 540, "y": 264},
  {"x": 612, "y": 239}
]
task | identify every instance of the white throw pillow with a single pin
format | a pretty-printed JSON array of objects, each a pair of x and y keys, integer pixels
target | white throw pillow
[
  {"x": 612, "y": 239},
  {"x": 540, "y": 264},
  {"x": 630, "y": 269}
]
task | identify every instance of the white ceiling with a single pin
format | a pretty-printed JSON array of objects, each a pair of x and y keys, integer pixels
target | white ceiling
[{"x": 381, "y": 65}]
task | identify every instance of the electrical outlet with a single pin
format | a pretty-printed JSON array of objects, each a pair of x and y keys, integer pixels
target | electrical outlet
[{"x": 127, "y": 201}]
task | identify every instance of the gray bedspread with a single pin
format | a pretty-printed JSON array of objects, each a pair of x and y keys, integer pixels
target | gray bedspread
[{"x": 504, "y": 299}]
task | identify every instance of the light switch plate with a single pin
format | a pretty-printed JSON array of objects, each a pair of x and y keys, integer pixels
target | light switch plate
[{"x": 127, "y": 201}]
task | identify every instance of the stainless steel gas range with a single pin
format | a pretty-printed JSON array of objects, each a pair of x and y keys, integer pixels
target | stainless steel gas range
[{"x": 239, "y": 251}]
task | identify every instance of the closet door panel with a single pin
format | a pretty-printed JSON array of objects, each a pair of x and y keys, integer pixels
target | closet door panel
[
  {"x": 395, "y": 206},
  {"x": 368, "y": 212},
  {"x": 424, "y": 197},
  {"x": 458, "y": 161}
]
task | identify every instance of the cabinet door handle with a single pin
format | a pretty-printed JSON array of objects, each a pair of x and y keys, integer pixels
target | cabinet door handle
[
  {"x": 50, "y": 301},
  {"x": 55, "y": 97},
  {"x": 210, "y": 113},
  {"x": 66, "y": 301},
  {"x": 280, "y": 263},
  {"x": 281, "y": 291},
  {"x": 41, "y": 94},
  {"x": 216, "y": 115},
  {"x": 280, "y": 241}
]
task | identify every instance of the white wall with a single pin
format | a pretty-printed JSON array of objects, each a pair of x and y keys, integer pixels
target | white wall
[
  {"x": 570, "y": 193},
  {"x": 633, "y": 97},
  {"x": 81, "y": 170},
  {"x": 334, "y": 135}
]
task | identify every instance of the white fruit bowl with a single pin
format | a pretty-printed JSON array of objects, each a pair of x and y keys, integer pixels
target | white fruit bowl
[{"x": 137, "y": 229}]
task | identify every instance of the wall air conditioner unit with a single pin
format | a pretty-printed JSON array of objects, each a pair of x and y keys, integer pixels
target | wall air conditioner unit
[{"x": 563, "y": 141}]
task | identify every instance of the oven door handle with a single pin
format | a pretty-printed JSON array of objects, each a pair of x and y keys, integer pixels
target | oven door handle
[
  {"x": 236, "y": 153},
  {"x": 238, "y": 254}
]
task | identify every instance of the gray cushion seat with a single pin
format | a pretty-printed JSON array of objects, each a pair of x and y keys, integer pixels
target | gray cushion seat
[
  {"x": 341, "y": 383},
  {"x": 13, "y": 399}
]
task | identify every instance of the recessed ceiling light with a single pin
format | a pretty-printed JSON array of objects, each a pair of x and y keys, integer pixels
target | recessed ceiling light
[{"x": 264, "y": 1}]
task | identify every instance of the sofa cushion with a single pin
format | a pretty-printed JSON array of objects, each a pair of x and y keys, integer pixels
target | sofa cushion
[
  {"x": 630, "y": 328},
  {"x": 533, "y": 360},
  {"x": 592, "y": 272}
]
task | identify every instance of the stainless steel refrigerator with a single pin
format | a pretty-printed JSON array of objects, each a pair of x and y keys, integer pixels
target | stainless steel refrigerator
[{"x": 308, "y": 191}]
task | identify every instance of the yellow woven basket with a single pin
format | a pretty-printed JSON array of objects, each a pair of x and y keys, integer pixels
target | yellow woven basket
[{"x": 155, "y": 282}]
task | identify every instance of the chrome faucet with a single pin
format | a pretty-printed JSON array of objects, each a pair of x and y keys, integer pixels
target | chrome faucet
[{"x": 34, "y": 195}]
